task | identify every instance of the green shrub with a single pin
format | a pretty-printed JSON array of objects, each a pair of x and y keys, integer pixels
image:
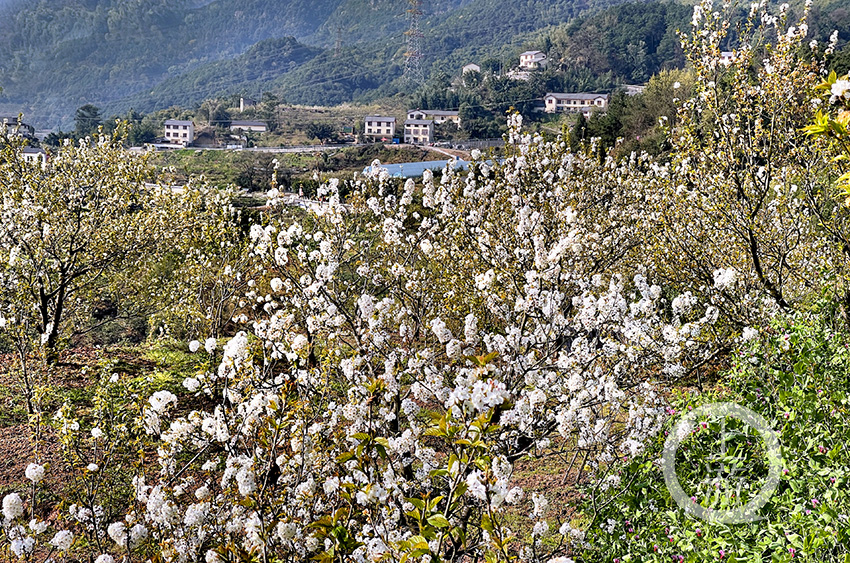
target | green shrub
[{"x": 797, "y": 377}]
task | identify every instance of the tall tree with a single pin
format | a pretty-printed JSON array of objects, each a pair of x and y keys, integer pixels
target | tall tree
[
  {"x": 321, "y": 131},
  {"x": 86, "y": 226},
  {"x": 86, "y": 120}
]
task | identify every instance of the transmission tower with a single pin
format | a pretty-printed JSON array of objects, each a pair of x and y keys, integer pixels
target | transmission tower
[
  {"x": 338, "y": 43},
  {"x": 413, "y": 72}
]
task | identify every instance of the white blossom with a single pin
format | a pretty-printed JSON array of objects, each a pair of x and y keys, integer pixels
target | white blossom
[
  {"x": 62, "y": 540},
  {"x": 35, "y": 472}
]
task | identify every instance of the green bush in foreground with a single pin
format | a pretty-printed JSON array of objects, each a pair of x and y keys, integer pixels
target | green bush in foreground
[{"x": 796, "y": 376}]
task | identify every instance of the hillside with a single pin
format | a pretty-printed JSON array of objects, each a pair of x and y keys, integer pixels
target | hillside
[
  {"x": 263, "y": 62},
  {"x": 55, "y": 56},
  {"x": 150, "y": 54},
  {"x": 476, "y": 30}
]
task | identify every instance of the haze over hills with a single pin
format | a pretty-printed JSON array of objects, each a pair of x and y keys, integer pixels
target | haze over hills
[{"x": 56, "y": 55}]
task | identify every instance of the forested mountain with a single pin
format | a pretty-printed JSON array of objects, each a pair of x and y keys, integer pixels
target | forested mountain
[
  {"x": 625, "y": 43},
  {"x": 56, "y": 55},
  {"x": 257, "y": 67}
]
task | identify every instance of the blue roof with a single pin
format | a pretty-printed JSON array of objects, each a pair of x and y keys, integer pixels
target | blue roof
[{"x": 415, "y": 169}]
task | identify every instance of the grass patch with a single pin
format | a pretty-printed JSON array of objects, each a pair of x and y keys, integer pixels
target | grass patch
[{"x": 14, "y": 409}]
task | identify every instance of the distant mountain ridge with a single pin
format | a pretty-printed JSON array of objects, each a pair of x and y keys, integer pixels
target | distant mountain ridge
[{"x": 56, "y": 55}]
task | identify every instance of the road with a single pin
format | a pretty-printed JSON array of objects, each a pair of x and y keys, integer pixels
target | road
[
  {"x": 276, "y": 150},
  {"x": 449, "y": 153}
]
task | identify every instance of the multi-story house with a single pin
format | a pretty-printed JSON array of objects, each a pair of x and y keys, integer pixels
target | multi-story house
[
  {"x": 15, "y": 128},
  {"x": 379, "y": 126},
  {"x": 569, "y": 103},
  {"x": 179, "y": 132},
  {"x": 438, "y": 116},
  {"x": 532, "y": 59},
  {"x": 418, "y": 131}
]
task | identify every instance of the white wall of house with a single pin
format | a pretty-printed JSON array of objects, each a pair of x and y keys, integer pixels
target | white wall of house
[
  {"x": 566, "y": 103},
  {"x": 532, "y": 59},
  {"x": 437, "y": 116},
  {"x": 35, "y": 155},
  {"x": 377, "y": 126},
  {"x": 180, "y": 132},
  {"x": 418, "y": 132},
  {"x": 258, "y": 127}
]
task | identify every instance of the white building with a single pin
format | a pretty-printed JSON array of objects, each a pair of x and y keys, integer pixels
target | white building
[
  {"x": 517, "y": 74},
  {"x": 634, "y": 89},
  {"x": 726, "y": 57},
  {"x": 418, "y": 131},
  {"x": 379, "y": 126},
  {"x": 258, "y": 126},
  {"x": 532, "y": 59},
  {"x": 471, "y": 67},
  {"x": 438, "y": 116},
  {"x": 16, "y": 128},
  {"x": 179, "y": 132},
  {"x": 36, "y": 155},
  {"x": 570, "y": 103}
]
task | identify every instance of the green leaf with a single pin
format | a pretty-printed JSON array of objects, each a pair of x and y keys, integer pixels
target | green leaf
[{"x": 438, "y": 521}]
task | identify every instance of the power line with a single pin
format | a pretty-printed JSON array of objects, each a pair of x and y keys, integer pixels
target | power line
[
  {"x": 365, "y": 73},
  {"x": 359, "y": 73}
]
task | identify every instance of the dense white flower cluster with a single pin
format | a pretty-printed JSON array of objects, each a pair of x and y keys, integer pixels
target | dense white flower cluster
[
  {"x": 62, "y": 540},
  {"x": 840, "y": 91},
  {"x": 529, "y": 341},
  {"x": 35, "y": 472},
  {"x": 22, "y": 543},
  {"x": 398, "y": 353},
  {"x": 13, "y": 506}
]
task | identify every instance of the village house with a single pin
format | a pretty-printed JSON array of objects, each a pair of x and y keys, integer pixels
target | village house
[
  {"x": 418, "y": 131},
  {"x": 438, "y": 116},
  {"x": 471, "y": 67},
  {"x": 36, "y": 155},
  {"x": 14, "y": 128},
  {"x": 726, "y": 57},
  {"x": 179, "y": 132},
  {"x": 378, "y": 126},
  {"x": 570, "y": 103},
  {"x": 257, "y": 126},
  {"x": 532, "y": 59},
  {"x": 633, "y": 89}
]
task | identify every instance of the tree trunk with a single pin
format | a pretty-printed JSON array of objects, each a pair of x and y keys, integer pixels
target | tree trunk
[{"x": 51, "y": 328}]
